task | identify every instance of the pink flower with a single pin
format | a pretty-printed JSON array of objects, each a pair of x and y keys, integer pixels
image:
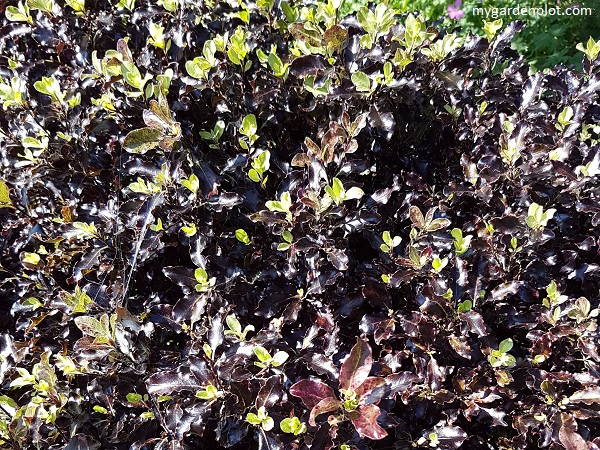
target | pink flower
[{"x": 454, "y": 11}]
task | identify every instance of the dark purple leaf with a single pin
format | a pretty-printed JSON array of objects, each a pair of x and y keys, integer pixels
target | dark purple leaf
[
  {"x": 200, "y": 370},
  {"x": 270, "y": 393},
  {"x": 450, "y": 437},
  {"x": 307, "y": 65},
  {"x": 190, "y": 307},
  {"x": 226, "y": 200},
  {"x": 182, "y": 276},
  {"x": 82, "y": 442},
  {"x": 338, "y": 258},
  {"x": 321, "y": 364},
  {"x": 416, "y": 217},
  {"x": 588, "y": 396},
  {"x": 474, "y": 323},
  {"x": 506, "y": 289},
  {"x": 268, "y": 441},
  {"x": 168, "y": 382},
  {"x": 401, "y": 382}
]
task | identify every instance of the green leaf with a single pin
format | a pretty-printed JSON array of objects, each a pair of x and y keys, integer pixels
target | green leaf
[
  {"x": 141, "y": 140},
  {"x": 198, "y": 68},
  {"x": 5, "y": 201},
  {"x": 249, "y": 126},
  {"x": 291, "y": 13},
  {"x": 31, "y": 258},
  {"x": 204, "y": 395},
  {"x": 19, "y": 13},
  {"x": 362, "y": 81},
  {"x": 144, "y": 187},
  {"x": 242, "y": 236},
  {"x": 32, "y": 303},
  {"x": 323, "y": 89},
  {"x": 132, "y": 75},
  {"x": 201, "y": 275},
  {"x": 287, "y": 236},
  {"x": 366, "y": 20},
  {"x": 387, "y": 238},
  {"x": 287, "y": 426},
  {"x": 100, "y": 409},
  {"x": 261, "y": 353},
  {"x": 79, "y": 301},
  {"x": 279, "y": 358},
  {"x": 591, "y": 50},
  {"x": 189, "y": 230},
  {"x": 42, "y": 5},
  {"x": 505, "y": 346},
  {"x": 277, "y": 65},
  {"x": 267, "y": 423},
  {"x": 283, "y": 247},
  {"x": 354, "y": 193},
  {"x": 253, "y": 419},
  {"x": 263, "y": 159},
  {"x": 50, "y": 86},
  {"x": 283, "y": 205},
  {"x": 132, "y": 397},
  {"x": 77, "y": 5},
  {"x": 90, "y": 326},
  {"x": 438, "y": 264},
  {"x": 158, "y": 226},
  {"x": 337, "y": 190},
  {"x": 465, "y": 306},
  {"x": 234, "y": 324},
  {"x": 491, "y": 28},
  {"x": 192, "y": 183},
  {"x": 564, "y": 118}
]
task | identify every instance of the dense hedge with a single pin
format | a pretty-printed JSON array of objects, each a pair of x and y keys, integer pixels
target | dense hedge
[{"x": 260, "y": 226}]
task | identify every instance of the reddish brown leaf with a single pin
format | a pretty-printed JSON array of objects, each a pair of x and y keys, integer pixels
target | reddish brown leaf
[
  {"x": 357, "y": 366},
  {"x": 326, "y": 405},
  {"x": 366, "y": 423},
  {"x": 311, "y": 392},
  {"x": 568, "y": 435}
]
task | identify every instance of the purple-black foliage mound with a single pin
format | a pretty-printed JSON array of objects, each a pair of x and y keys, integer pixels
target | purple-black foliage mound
[{"x": 260, "y": 226}]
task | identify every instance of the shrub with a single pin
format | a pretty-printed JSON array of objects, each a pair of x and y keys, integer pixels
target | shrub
[
  {"x": 220, "y": 220},
  {"x": 546, "y": 41}
]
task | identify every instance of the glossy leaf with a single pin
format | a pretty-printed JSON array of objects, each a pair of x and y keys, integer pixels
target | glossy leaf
[
  {"x": 357, "y": 366},
  {"x": 366, "y": 422},
  {"x": 311, "y": 392}
]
